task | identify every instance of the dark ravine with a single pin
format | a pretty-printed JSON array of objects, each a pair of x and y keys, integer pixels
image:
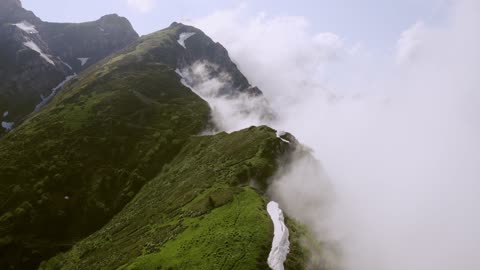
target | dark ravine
[
  {"x": 112, "y": 174},
  {"x": 27, "y": 75}
]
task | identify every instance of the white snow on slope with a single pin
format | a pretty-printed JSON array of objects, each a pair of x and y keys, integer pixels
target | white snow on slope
[
  {"x": 30, "y": 44},
  {"x": 5, "y": 114},
  {"x": 280, "y": 134},
  {"x": 53, "y": 93},
  {"x": 280, "y": 243},
  {"x": 26, "y": 27},
  {"x": 83, "y": 60},
  {"x": 7, "y": 125},
  {"x": 67, "y": 65},
  {"x": 183, "y": 37}
]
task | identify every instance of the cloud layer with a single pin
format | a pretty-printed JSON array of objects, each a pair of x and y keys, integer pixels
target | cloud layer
[{"x": 397, "y": 137}]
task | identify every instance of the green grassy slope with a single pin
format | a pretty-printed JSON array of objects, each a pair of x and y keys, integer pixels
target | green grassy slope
[
  {"x": 199, "y": 213},
  {"x": 68, "y": 169},
  {"x": 113, "y": 174}
]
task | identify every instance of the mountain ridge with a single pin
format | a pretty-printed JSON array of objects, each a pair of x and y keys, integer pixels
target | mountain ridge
[{"x": 126, "y": 130}]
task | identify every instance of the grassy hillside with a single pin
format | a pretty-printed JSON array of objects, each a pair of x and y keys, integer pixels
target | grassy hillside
[
  {"x": 200, "y": 212},
  {"x": 68, "y": 169},
  {"x": 113, "y": 174}
]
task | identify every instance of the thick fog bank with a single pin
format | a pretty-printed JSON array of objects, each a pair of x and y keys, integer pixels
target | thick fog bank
[{"x": 398, "y": 135}]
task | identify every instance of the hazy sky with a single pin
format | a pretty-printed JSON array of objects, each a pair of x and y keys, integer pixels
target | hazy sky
[
  {"x": 395, "y": 134},
  {"x": 376, "y": 22}
]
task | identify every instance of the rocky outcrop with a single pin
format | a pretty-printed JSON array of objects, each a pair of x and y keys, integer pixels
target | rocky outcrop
[
  {"x": 83, "y": 44},
  {"x": 28, "y": 72},
  {"x": 12, "y": 11},
  {"x": 200, "y": 47}
]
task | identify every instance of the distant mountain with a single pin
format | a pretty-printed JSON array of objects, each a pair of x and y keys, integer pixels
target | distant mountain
[
  {"x": 12, "y": 11},
  {"x": 37, "y": 56},
  {"x": 83, "y": 44},
  {"x": 113, "y": 174}
]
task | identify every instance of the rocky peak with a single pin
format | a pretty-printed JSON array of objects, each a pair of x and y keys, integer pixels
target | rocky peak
[
  {"x": 199, "y": 47},
  {"x": 37, "y": 56},
  {"x": 10, "y": 4},
  {"x": 111, "y": 18},
  {"x": 83, "y": 44},
  {"x": 11, "y": 11},
  {"x": 114, "y": 21}
]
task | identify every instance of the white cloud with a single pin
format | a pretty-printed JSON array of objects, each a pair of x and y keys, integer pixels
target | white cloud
[
  {"x": 410, "y": 42},
  {"x": 142, "y": 5},
  {"x": 399, "y": 142},
  {"x": 329, "y": 45},
  {"x": 264, "y": 46},
  {"x": 228, "y": 113},
  {"x": 356, "y": 48}
]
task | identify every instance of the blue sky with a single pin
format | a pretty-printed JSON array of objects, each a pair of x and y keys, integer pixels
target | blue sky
[{"x": 377, "y": 21}]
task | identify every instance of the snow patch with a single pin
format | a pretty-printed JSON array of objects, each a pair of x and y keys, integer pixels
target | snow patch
[
  {"x": 45, "y": 100},
  {"x": 33, "y": 46},
  {"x": 83, "y": 60},
  {"x": 101, "y": 29},
  {"x": 179, "y": 73},
  {"x": 26, "y": 27},
  {"x": 67, "y": 65},
  {"x": 280, "y": 243},
  {"x": 5, "y": 114},
  {"x": 8, "y": 125},
  {"x": 280, "y": 134},
  {"x": 183, "y": 37}
]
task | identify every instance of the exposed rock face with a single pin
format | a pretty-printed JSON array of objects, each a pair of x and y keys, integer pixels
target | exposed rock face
[
  {"x": 25, "y": 76},
  {"x": 12, "y": 11},
  {"x": 91, "y": 41},
  {"x": 200, "y": 47},
  {"x": 36, "y": 56}
]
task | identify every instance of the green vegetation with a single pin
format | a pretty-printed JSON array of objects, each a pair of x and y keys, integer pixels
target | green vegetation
[
  {"x": 234, "y": 236},
  {"x": 199, "y": 212},
  {"x": 72, "y": 166},
  {"x": 113, "y": 175}
]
